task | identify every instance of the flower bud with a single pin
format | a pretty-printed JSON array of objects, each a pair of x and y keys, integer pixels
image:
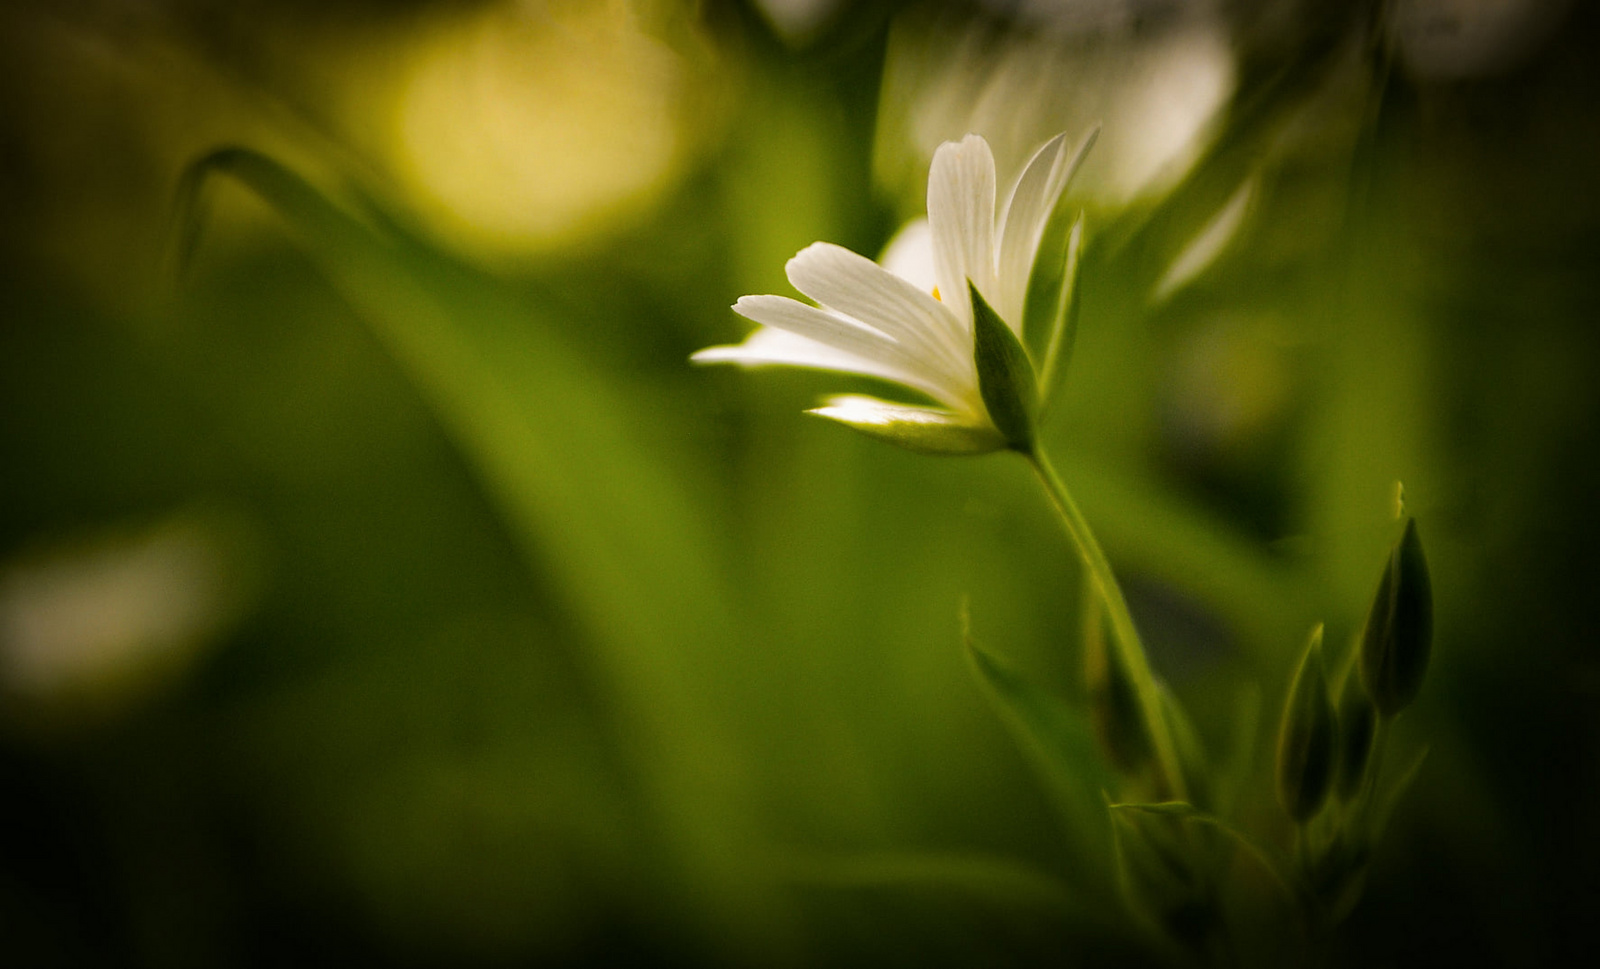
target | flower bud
[
  {"x": 1308, "y": 738},
  {"x": 1399, "y": 629}
]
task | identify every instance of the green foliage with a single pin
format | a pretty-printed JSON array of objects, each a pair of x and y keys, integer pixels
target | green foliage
[
  {"x": 565, "y": 654},
  {"x": 547, "y": 433},
  {"x": 1059, "y": 738},
  {"x": 1164, "y": 870},
  {"x": 1191, "y": 752}
]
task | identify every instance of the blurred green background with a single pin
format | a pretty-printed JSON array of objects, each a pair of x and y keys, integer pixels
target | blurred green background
[{"x": 379, "y": 583}]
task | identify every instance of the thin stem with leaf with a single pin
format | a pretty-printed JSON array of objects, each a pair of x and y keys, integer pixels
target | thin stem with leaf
[{"x": 1124, "y": 636}]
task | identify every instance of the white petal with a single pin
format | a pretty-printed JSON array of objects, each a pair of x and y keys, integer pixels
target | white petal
[
  {"x": 1022, "y": 224},
  {"x": 858, "y": 287},
  {"x": 820, "y": 325},
  {"x": 909, "y": 255},
  {"x": 1026, "y": 214},
  {"x": 769, "y": 347},
  {"x": 860, "y": 340},
  {"x": 961, "y": 213}
]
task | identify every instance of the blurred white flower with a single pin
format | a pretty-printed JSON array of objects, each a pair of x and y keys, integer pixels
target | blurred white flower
[
  {"x": 1473, "y": 38},
  {"x": 874, "y": 322},
  {"x": 81, "y": 617},
  {"x": 1156, "y": 73},
  {"x": 797, "y": 21}
]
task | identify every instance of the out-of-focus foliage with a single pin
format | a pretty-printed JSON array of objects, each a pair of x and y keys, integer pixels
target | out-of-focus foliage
[{"x": 378, "y": 582}]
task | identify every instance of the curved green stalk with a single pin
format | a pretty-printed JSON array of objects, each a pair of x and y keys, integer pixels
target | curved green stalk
[{"x": 1125, "y": 636}]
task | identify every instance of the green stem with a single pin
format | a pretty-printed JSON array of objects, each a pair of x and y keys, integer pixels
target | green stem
[
  {"x": 1123, "y": 634},
  {"x": 1369, "y": 787}
]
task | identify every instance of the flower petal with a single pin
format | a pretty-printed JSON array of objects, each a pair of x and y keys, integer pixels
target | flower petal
[
  {"x": 1021, "y": 225},
  {"x": 1026, "y": 214},
  {"x": 961, "y": 213},
  {"x": 819, "y": 325},
  {"x": 858, "y": 287},
  {"x": 857, "y": 339},
  {"x": 909, "y": 255},
  {"x": 928, "y": 430},
  {"x": 771, "y": 347}
]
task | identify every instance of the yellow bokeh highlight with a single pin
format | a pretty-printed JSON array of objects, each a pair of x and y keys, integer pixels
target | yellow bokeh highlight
[{"x": 533, "y": 122}]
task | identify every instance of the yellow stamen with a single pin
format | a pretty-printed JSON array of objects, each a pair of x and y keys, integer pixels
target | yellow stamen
[{"x": 936, "y": 294}]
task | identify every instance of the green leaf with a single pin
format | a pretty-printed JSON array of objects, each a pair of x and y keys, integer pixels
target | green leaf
[
  {"x": 1269, "y": 861},
  {"x": 1177, "y": 809},
  {"x": 1161, "y": 870},
  {"x": 1055, "y": 300},
  {"x": 1234, "y": 774},
  {"x": 1307, "y": 738},
  {"x": 983, "y": 876},
  {"x": 1191, "y": 752},
  {"x": 1005, "y": 375},
  {"x": 1058, "y": 738},
  {"x": 926, "y": 430},
  {"x": 1399, "y": 630}
]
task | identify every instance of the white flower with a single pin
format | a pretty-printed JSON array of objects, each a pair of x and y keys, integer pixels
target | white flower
[{"x": 874, "y": 323}]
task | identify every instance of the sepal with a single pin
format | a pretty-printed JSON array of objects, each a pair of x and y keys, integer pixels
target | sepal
[
  {"x": 1005, "y": 375},
  {"x": 926, "y": 430}
]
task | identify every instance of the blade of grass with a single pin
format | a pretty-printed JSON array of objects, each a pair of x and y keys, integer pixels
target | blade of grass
[{"x": 595, "y": 512}]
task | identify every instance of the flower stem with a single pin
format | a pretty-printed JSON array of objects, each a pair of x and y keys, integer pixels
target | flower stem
[
  {"x": 1123, "y": 634},
  {"x": 1369, "y": 786}
]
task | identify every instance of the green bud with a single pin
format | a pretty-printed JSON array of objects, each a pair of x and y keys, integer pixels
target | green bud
[
  {"x": 1113, "y": 701},
  {"x": 1308, "y": 738},
  {"x": 1399, "y": 629},
  {"x": 1358, "y": 720},
  {"x": 1005, "y": 375}
]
